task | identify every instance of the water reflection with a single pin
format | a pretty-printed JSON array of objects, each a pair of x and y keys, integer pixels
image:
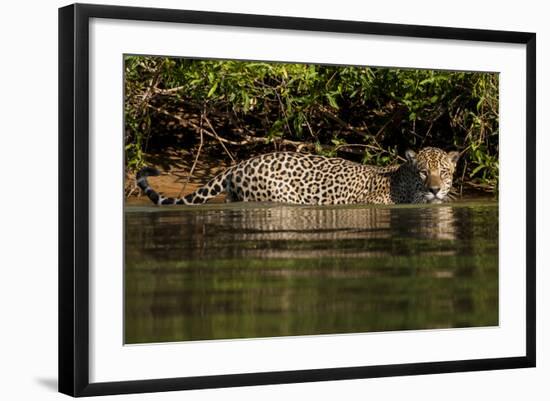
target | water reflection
[{"x": 257, "y": 270}]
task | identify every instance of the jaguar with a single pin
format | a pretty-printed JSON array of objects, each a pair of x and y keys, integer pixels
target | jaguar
[{"x": 425, "y": 176}]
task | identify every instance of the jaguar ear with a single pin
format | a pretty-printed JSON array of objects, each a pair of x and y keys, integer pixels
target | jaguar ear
[
  {"x": 410, "y": 155},
  {"x": 453, "y": 157}
]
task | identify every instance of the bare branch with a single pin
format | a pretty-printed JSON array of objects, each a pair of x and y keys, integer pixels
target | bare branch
[
  {"x": 247, "y": 139},
  {"x": 219, "y": 139},
  {"x": 196, "y": 158}
]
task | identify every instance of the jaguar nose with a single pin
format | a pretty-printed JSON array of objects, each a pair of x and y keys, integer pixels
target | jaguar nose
[{"x": 434, "y": 190}]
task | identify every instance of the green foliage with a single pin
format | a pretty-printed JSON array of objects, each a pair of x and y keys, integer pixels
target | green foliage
[{"x": 368, "y": 114}]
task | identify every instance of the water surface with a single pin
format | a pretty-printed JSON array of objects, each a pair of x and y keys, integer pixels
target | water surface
[{"x": 248, "y": 270}]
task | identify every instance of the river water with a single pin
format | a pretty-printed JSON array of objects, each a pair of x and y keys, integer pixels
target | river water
[{"x": 245, "y": 270}]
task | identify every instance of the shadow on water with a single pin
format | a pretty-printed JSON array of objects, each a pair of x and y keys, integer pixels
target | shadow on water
[{"x": 254, "y": 270}]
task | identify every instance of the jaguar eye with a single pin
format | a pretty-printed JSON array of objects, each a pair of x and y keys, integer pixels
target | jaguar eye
[{"x": 423, "y": 175}]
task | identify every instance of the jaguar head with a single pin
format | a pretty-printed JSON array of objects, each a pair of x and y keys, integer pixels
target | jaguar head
[{"x": 434, "y": 169}]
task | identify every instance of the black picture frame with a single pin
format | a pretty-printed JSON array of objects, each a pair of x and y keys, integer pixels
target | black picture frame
[{"x": 74, "y": 198}]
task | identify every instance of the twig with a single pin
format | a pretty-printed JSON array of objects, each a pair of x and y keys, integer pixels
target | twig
[
  {"x": 284, "y": 112},
  {"x": 219, "y": 139},
  {"x": 169, "y": 91},
  {"x": 363, "y": 145},
  {"x": 462, "y": 178},
  {"x": 246, "y": 141},
  {"x": 355, "y": 130},
  {"x": 383, "y": 127},
  {"x": 130, "y": 191},
  {"x": 196, "y": 158},
  {"x": 330, "y": 80},
  {"x": 309, "y": 128},
  {"x": 343, "y": 123},
  {"x": 484, "y": 187},
  {"x": 426, "y": 136}
]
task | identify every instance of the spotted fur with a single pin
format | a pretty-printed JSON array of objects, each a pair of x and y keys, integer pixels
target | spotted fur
[{"x": 297, "y": 178}]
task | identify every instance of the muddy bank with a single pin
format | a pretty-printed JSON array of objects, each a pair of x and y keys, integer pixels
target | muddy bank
[
  {"x": 175, "y": 180},
  {"x": 169, "y": 185}
]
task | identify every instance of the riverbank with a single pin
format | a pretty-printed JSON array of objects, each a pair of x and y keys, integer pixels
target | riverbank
[{"x": 175, "y": 179}]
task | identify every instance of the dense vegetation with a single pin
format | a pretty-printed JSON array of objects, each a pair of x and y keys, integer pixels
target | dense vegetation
[{"x": 231, "y": 110}]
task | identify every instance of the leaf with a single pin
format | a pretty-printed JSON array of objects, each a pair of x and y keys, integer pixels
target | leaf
[
  {"x": 474, "y": 171},
  {"x": 480, "y": 103},
  {"x": 285, "y": 73},
  {"x": 246, "y": 101},
  {"x": 212, "y": 89},
  {"x": 331, "y": 100}
]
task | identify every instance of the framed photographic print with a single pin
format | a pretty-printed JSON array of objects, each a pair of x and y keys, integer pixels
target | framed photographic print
[{"x": 249, "y": 199}]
